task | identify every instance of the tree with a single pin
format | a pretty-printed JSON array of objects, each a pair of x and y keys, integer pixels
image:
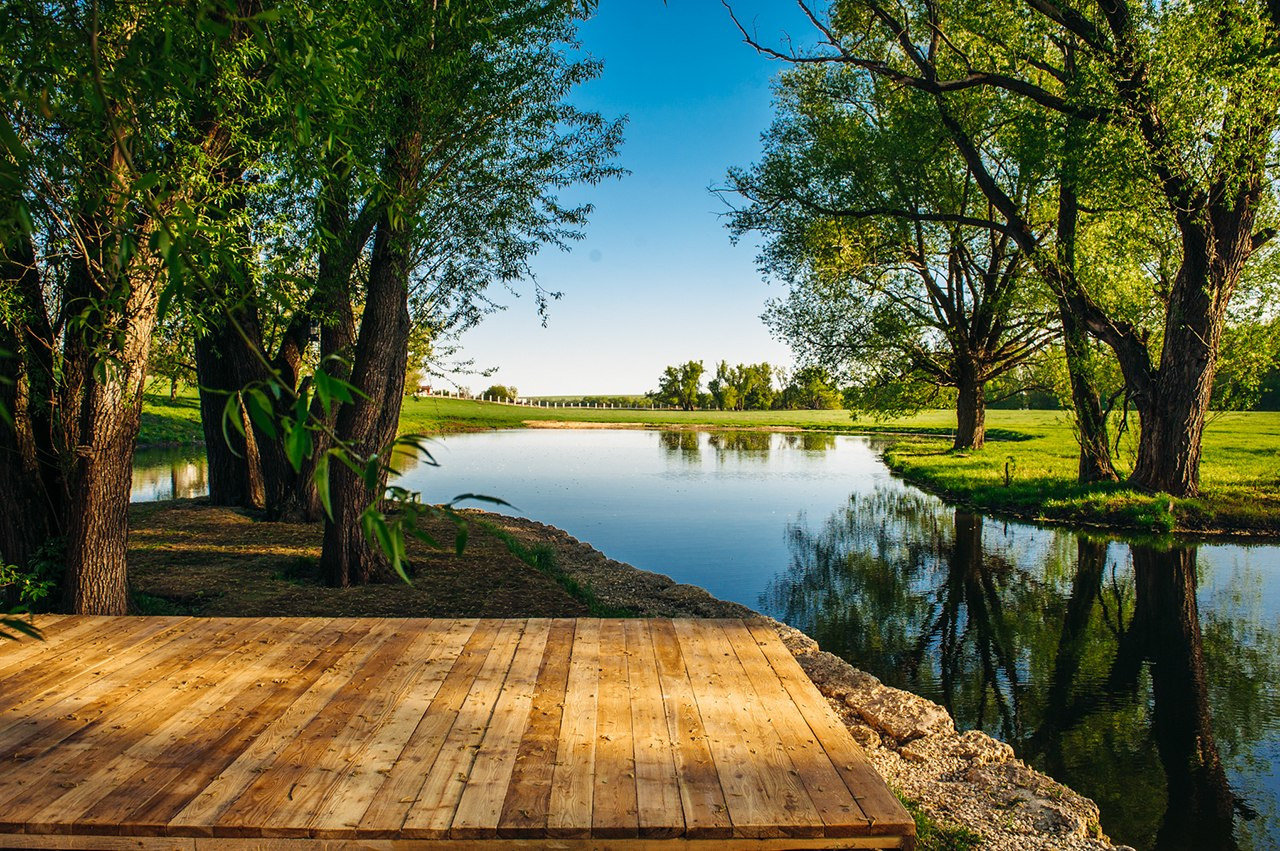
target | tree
[
  {"x": 105, "y": 149},
  {"x": 811, "y": 388},
  {"x": 474, "y": 122},
  {"x": 744, "y": 387},
  {"x": 501, "y": 392},
  {"x": 1108, "y": 81},
  {"x": 897, "y": 281},
  {"x": 680, "y": 385}
]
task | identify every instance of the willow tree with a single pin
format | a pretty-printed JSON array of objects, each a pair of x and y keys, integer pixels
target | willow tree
[
  {"x": 104, "y": 148},
  {"x": 900, "y": 280},
  {"x": 1161, "y": 110},
  {"x": 478, "y": 140}
]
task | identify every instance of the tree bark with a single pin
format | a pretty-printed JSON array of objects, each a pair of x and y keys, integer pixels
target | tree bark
[
  {"x": 369, "y": 423},
  {"x": 1174, "y": 402},
  {"x": 30, "y": 475},
  {"x": 233, "y": 480},
  {"x": 1091, "y": 421},
  {"x": 971, "y": 409}
]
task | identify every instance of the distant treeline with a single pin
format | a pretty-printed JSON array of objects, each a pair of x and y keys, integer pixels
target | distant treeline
[{"x": 747, "y": 387}]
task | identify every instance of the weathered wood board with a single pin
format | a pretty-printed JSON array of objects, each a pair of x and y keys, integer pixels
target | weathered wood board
[{"x": 419, "y": 733}]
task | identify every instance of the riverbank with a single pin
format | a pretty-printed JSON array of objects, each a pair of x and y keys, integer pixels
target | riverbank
[
  {"x": 189, "y": 558},
  {"x": 1027, "y": 470}
]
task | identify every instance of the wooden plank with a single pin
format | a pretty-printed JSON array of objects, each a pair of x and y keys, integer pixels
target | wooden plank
[
  {"x": 569, "y": 814},
  {"x": 201, "y": 815},
  {"x": 324, "y": 751},
  {"x": 277, "y": 801},
  {"x": 658, "y": 803},
  {"x": 701, "y": 798},
  {"x": 59, "y": 634},
  {"x": 764, "y": 797},
  {"x": 841, "y": 815},
  {"x": 386, "y": 813},
  {"x": 62, "y": 674},
  {"x": 134, "y": 734},
  {"x": 432, "y": 812},
  {"x": 882, "y": 808},
  {"x": 54, "y": 742},
  {"x": 183, "y": 769},
  {"x": 528, "y": 800},
  {"x": 98, "y": 843},
  {"x": 614, "y": 808},
  {"x": 480, "y": 806},
  {"x": 369, "y": 765},
  {"x": 304, "y": 733}
]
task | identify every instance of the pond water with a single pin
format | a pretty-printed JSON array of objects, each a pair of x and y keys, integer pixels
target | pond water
[{"x": 1145, "y": 678}]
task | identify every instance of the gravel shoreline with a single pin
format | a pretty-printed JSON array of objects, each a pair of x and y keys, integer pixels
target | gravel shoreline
[{"x": 968, "y": 779}]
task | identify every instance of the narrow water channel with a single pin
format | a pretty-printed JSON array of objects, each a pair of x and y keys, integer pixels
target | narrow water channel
[{"x": 1146, "y": 677}]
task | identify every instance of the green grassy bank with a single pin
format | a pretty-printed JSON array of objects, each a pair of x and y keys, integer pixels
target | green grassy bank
[{"x": 1026, "y": 470}]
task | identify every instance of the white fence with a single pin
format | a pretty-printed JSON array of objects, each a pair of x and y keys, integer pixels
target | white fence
[{"x": 544, "y": 403}]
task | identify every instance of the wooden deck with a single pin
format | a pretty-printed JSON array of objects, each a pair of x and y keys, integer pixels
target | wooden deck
[{"x": 441, "y": 734}]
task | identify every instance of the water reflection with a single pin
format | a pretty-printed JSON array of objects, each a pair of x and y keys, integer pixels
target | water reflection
[
  {"x": 739, "y": 445},
  {"x": 1091, "y": 658},
  {"x": 170, "y": 474}
]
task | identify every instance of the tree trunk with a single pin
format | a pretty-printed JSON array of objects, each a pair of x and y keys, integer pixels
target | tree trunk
[
  {"x": 1091, "y": 422},
  {"x": 232, "y": 478},
  {"x": 338, "y": 338},
  {"x": 369, "y": 423},
  {"x": 98, "y": 516},
  {"x": 108, "y": 415},
  {"x": 971, "y": 408},
  {"x": 1174, "y": 402}
]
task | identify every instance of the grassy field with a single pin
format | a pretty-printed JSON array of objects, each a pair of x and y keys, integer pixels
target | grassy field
[{"x": 1035, "y": 450}]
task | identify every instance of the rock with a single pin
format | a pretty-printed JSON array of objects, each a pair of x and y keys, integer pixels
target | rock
[
  {"x": 796, "y": 641},
  {"x": 864, "y": 735},
  {"x": 977, "y": 747},
  {"x": 833, "y": 676},
  {"x": 899, "y": 714},
  {"x": 916, "y": 751},
  {"x": 1032, "y": 798}
]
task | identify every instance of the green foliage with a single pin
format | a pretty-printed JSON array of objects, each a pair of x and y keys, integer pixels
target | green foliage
[
  {"x": 500, "y": 393},
  {"x": 681, "y": 385},
  {"x": 744, "y": 387},
  {"x": 810, "y": 387}
]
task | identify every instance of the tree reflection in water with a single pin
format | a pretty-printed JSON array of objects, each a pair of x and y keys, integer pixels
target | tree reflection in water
[
  {"x": 737, "y": 445},
  {"x": 1087, "y": 656}
]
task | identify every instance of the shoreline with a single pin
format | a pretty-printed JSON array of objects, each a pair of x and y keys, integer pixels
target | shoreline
[
  {"x": 956, "y": 498},
  {"x": 968, "y": 779}
]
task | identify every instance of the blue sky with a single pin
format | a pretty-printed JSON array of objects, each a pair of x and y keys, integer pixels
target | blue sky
[{"x": 656, "y": 280}]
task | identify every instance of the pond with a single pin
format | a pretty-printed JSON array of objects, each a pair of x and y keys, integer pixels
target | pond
[{"x": 1145, "y": 678}]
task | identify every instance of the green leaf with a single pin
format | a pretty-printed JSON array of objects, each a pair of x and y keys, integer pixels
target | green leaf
[
  {"x": 231, "y": 414},
  {"x": 460, "y": 542},
  {"x": 297, "y": 445},
  {"x": 260, "y": 411},
  {"x": 480, "y": 498},
  {"x": 321, "y": 478},
  {"x": 372, "y": 472}
]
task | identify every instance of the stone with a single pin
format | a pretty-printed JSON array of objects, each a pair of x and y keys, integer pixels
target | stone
[
  {"x": 898, "y": 714},
  {"x": 977, "y": 747}
]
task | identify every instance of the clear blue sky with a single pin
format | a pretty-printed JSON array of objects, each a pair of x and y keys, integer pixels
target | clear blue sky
[{"x": 656, "y": 280}]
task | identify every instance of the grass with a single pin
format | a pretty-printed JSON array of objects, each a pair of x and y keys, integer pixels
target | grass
[
  {"x": 932, "y": 835},
  {"x": 1026, "y": 470},
  {"x": 1035, "y": 477}
]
